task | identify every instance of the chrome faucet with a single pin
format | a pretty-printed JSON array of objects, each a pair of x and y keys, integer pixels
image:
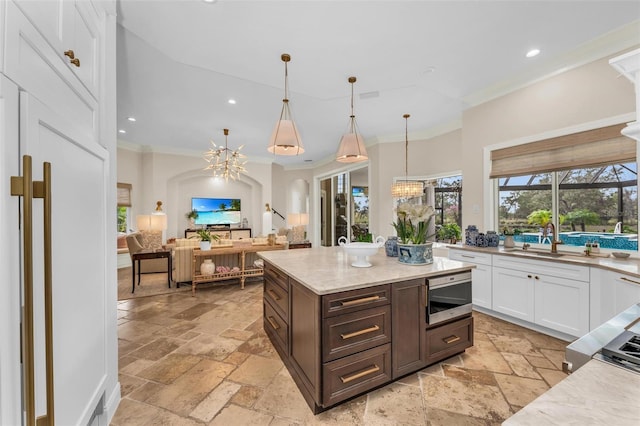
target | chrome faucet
[{"x": 554, "y": 242}]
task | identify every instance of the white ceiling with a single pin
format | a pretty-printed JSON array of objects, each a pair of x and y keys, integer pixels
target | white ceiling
[{"x": 180, "y": 61}]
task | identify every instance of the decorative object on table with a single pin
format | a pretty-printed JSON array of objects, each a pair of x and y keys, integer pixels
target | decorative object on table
[
  {"x": 352, "y": 149},
  {"x": 267, "y": 220},
  {"x": 285, "y": 139},
  {"x": 508, "y": 233},
  {"x": 245, "y": 222},
  {"x": 481, "y": 241},
  {"x": 406, "y": 188},
  {"x": 493, "y": 240},
  {"x": 470, "y": 235},
  {"x": 412, "y": 228},
  {"x": 224, "y": 162},
  {"x": 205, "y": 238},
  {"x": 391, "y": 246},
  {"x": 620, "y": 254},
  {"x": 207, "y": 267},
  {"x": 361, "y": 250}
]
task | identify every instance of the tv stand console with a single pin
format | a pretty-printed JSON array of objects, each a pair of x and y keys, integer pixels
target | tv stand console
[{"x": 223, "y": 232}]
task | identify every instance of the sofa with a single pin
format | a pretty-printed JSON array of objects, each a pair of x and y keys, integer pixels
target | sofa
[{"x": 147, "y": 240}]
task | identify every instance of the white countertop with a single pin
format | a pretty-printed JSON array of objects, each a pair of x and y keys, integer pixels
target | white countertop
[
  {"x": 326, "y": 270},
  {"x": 629, "y": 266},
  {"x": 597, "y": 394}
]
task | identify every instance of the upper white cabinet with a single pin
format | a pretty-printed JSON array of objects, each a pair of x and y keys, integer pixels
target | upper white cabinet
[
  {"x": 480, "y": 275},
  {"x": 69, "y": 26},
  {"x": 38, "y": 65},
  {"x": 611, "y": 293}
]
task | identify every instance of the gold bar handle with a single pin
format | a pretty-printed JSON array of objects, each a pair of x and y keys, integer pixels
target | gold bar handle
[
  {"x": 360, "y": 301},
  {"x": 273, "y": 323},
  {"x": 359, "y": 332},
  {"x": 24, "y": 186},
  {"x": 273, "y": 294},
  {"x": 368, "y": 371},
  {"x": 629, "y": 280},
  {"x": 451, "y": 339}
]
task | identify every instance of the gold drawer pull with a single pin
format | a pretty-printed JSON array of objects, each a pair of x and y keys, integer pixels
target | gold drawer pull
[
  {"x": 628, "y": 280},
  {"x": 359, "y": 301},
  {"x": 451, "y": 339},
  {"x": 360, "y": 374},
  {"x": 273, "y": 323},
  {"x": 273, "y": 294},
  {"x": 359, "y": 332}
]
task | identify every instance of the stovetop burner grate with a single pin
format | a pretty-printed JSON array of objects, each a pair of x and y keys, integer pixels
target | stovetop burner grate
[{"x": 625, "y": 347}]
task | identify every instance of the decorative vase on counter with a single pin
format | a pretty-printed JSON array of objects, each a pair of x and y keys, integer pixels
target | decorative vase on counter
[
  {"x": 415, "y": 254},
  {"x": 493, "y": 240},
  {"x": 205, "y": 245},
  {"x": 391, "y": 246},
  {"x": 207, "y": 267},
  {"x": 470, "y": 235},
  {"x": 509, "y": 242}
]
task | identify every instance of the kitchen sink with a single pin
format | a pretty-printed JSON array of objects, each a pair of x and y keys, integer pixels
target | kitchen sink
[{"x": 549, "y": 254}]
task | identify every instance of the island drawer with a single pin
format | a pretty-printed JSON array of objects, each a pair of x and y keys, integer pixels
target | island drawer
[
  {"x": 278, "y": 296},
  {"x": 355, "y": 374},
  {"x": 449, "y": 339},
  {"x": 347, "y": 334},
  {"x": 275, "y": 326},
  {"x": 470, "y": 256},
  {"x": 276, "y": 275},
  {"x": 355, "y": 300}
]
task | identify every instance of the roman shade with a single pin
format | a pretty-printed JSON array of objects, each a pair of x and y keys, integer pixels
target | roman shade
[
  {"x": 591, "y": 148},
  {"x": 124, "y": 194}
]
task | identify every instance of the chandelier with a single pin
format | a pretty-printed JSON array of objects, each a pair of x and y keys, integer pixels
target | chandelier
[
  {"x": 224, "y": 162},
  {"x": 352, "y": 149},
  {"x": 406, "y": 188},
  {"x": 285, "y": 139}
]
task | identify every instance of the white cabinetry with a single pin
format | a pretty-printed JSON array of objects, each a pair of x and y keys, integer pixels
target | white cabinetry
[
  {"x": 57, "y": 108},
  {"x": 480, "y": 275},
  {"x": 550, "y": 294},
  {"x": 611, "y": 293}
]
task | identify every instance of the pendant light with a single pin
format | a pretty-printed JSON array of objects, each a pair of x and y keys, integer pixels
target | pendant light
[
  {"x": 406, "y": 188},
  {"x": 224, "y": 162},
  {"x": 285, "y": 139},
  {"x": 352, "y": 149}
]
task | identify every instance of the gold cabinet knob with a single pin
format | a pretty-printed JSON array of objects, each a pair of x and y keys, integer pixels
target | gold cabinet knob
[
  {"x": 69, "y": 53},
  {"x": 75, "y": 62}
]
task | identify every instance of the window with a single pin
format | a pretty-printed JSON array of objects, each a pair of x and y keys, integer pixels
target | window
[
  {"x": 595, "y": 204},
  {"x": 124, "y": 203}
]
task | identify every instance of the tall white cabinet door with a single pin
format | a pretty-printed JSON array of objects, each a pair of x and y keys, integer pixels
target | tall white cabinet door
[
  {"x": 10, "y": 379},
  {"x": 79, "y": 185},
  {"x": 562, "y": 304}
]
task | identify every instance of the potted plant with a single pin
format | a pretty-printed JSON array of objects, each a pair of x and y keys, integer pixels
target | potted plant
[
  {"x": 205, "y": 238},
  {"x": 450, "y": 232},
  {"x": 508, "y": 236},
  {"x": 192, "y": 216},
  {"x": 412, "y": 228}
]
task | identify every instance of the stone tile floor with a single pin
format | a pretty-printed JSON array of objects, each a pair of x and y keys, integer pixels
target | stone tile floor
[{"x": 205, "y": 360}]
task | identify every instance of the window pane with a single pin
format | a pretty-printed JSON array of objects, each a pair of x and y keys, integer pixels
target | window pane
[
  {"x": 519, "y": 196},
  {"x": 123, "y": 214}
]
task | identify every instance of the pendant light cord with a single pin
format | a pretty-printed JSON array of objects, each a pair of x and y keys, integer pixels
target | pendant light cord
[{"x": 406, "y": 147}]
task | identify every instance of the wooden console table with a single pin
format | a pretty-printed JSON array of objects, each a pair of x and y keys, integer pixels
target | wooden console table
[
  {"x": 227, "y": 234},
  {"x": 244, "y": 270}
]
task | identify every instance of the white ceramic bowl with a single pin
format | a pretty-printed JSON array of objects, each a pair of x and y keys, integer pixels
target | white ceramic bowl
[
  {"x": 361, "y": 250},
  {"x": 620, "y": 254}
]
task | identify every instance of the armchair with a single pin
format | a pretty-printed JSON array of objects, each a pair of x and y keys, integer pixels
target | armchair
[{"x": 137, "y": 242}]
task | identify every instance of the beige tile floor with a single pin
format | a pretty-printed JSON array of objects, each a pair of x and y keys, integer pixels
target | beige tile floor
[{"x": 205, "y": 360}]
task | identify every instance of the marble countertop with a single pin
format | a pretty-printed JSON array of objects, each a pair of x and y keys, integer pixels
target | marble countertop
[
  {"x": 598, "y": 393},
  {"x": 326, "y": 270},
  {"x": 629, "y": 266}
]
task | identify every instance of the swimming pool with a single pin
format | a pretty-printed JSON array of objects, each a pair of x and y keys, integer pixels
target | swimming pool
[{"x": 577, "y": 238}]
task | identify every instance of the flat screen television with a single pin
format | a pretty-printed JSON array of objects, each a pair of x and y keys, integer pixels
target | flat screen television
[{"x": 217, "y": 211}]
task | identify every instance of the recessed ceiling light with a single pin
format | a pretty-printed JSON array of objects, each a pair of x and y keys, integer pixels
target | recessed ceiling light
[
  {"x": 532, "y": 53},
  {"x": 209, "y": 1},
  {"x": 429, "y": 70},
  {"x": 232, "y": 101},
  {"x": 131, "y": 119},
  {"x": 122, "y": 131}
]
